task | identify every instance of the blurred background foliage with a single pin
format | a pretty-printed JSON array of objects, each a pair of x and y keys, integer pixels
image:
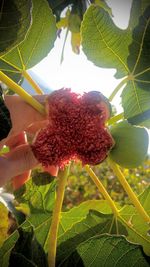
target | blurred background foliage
[{"x": 80, "y": 187}]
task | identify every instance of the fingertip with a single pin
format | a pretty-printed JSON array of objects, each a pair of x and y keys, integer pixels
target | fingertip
[
  {"x": 52, "y": 170},
  {"x": 20, "y": 180}
]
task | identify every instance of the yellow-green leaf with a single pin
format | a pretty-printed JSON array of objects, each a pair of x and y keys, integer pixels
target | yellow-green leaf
[
  {"x": 3, "y": 223},
  {"x": 75, "y": 42}
]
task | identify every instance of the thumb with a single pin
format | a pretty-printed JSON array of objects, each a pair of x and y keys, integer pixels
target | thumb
[
  {"x": 13, "y": 142},
  {"x": 16, "y": 162}
]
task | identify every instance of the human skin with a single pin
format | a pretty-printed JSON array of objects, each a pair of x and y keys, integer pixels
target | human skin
[{"x": 20, "y": 160}]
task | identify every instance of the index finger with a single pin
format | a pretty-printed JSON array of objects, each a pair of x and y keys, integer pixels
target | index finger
[{"x": 22, "y": 114}]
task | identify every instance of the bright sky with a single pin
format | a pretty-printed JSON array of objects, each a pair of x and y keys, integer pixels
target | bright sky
[{"x": 76, "y": 71}]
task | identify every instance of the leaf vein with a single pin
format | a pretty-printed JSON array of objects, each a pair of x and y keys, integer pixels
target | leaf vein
[
  {"x": 141, "y": 46},
  {"x": 107, "y": 46}
]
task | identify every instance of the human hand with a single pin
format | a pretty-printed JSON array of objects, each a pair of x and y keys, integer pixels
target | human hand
[{"x": 18, "y": 162}]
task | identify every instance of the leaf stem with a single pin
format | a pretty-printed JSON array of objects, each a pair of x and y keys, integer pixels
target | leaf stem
[
  {"x": 63, "y": 48},
  {"x": 52, "y": 239},
  {"x": 129, "y": 191},
  {"x": 138, "y": 74},
  {"x": 102, "y": 190},
  {"x": 32, "y": 82},
  {"x": 21, "y": 92},
  {"x": 119, "y": 86},
  {"x": 115, "y": 118}
]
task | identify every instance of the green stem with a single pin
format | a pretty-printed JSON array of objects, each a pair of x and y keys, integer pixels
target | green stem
[
  {"x": 129, "y": 191},
  {"x": 32, "y": 82},
  {"x": 115, "y": 118},
  {"x": 108, "y": 198},
  {"x": 52, "y": 239},
  {"x": 119, "y": 86},
  {"x": 62, "y": 53},
  {"x": 21, "y": 92},
  {"x": 102, "y": 190}
]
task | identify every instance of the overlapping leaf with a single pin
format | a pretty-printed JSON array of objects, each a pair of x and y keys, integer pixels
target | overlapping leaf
[
  {"x": 15, "y": 20},
  {"x": 95, "y": 223},
  {"x": 103, "y": 43},
  {"x": 5, "y": 250},
  {"x": 27, "y": 251},
  {"x": 38, "y": 43},
  {"x": 136, "y": 103},
  {"x": 107, "y": 250},
  {"x": 80, "y": 212},
  {"x": 126, "y": 50},
  {"x": 141, "y": 119},
  {"x": 77, "y": 226},
  {"x": 139, "y": 51},
  {"x": 136, "y": 94},
  {"x": 138, "y": 230},
  {"x": 38, "y": 193}
]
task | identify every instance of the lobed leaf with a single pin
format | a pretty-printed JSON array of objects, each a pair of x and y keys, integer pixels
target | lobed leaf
[
  {"x": 77, "y": 214},
  {"x": 138, "y": 230},
  {"x": 6, "y": 248},
  {"x": 135, "y": 102},
  {"x": 107, "y": 250},
  {"x": 15, "y": 20},
  {"x": 95, "y": 223},
  {"x": 38, "y": 193},
  {"x": 38, "y": 43},
  {"x": 139, "y": 51},
  {"x": 136, "y": 94},
  {"x": 27, "y": 251},
  {"x": 141, "y": 119},
  {"x": 103, "y": 42}
]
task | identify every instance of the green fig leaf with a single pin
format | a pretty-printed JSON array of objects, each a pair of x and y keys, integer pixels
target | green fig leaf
[
  {"x": 107, "y": 250},
  {"x": 6, "y": 248},
  {"x": 104, "y": 43},
  {"x": 15, "y": 20},
  {"x": 139, "y": 56},
  {"x": 137, "y": 228},
  {"x": 27, "y": 251},
  {"x": 38, "y": 43},
  {"x": 142, "y": 119},
  {"x": 135, "y": 102},
  {"x": 136, "y": 94},
  {"x": 95, "y": 223}
]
